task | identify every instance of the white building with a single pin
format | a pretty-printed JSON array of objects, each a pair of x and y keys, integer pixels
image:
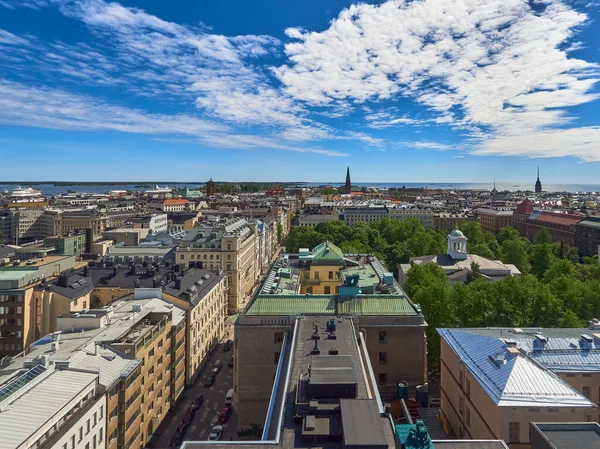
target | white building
[
  {"x": 42, "y": 407},
  {"x": 456, "y": 263}
]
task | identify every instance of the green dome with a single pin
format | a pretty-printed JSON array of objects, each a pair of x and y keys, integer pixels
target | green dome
[{"x": 456, "y": 233}]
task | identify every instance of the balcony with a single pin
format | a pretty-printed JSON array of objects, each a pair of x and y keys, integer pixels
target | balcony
[{"x": 66, "y": 426}]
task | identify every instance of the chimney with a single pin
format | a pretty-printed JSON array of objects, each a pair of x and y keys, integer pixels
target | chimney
[{"x": 540, "y": 342}]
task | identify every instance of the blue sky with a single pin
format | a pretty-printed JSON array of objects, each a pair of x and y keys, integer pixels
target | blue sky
[{"x": 402, "y": 91}]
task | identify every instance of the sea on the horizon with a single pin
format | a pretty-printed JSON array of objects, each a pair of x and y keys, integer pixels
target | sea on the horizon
[{"x": 51, "y": 189}]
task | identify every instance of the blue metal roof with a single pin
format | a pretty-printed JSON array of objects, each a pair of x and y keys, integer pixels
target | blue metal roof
[{"x": 510, "y": 379}]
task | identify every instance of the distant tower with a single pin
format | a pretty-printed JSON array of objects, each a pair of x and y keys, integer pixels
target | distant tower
[
  {"x": 210, "y": 187},
  {"x": 494, "y": 191},
  {"x": 538, "y": 183},
  {"x": 348, "y": 188}
]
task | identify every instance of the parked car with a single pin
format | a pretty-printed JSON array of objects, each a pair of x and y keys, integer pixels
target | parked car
[
  {"x": 216, "y": 434},
  {"x": 230, "y": 363},
  {"x": 210, "y": 380},
  {"x": 228, "y": 345},
  {"x": 176, "y": 439},
  {"x": 197, "y": 402},
  {"x": 217, "y": 366},
  {"x": 225, "y": 414}
]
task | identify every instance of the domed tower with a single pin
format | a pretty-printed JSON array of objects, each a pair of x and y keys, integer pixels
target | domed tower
[{"x": 457, "y": 245}]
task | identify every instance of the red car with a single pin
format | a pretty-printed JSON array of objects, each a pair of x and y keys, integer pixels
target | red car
[{"x": 225, "y": 414}]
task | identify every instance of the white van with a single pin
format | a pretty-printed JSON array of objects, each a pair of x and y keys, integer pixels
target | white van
[{"x": 229, "y": 397}]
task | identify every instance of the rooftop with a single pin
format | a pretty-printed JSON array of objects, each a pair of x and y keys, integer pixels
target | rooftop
[
  {"x": 569, "y": 435},
  {"x": 30, "y": 411},
  {"x": 511, "y": 378}
]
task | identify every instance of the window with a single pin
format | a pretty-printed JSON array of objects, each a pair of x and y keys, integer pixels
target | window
[
  {"x": 461, "y": 404},
  {"x": 382, "y": 379},
  {"x": 276, "y": 358},
  {"x": 80, "y": 434},
  {"x": 382, "y": 337},
  {"x": 316, "y": 275},
  {"x": 101, "y": 412},
  {"x": 513, "y": 432},
  {"x": 327, "y": 290},
  {"x": 229, "y": 246},
  {"x": 192, "y": 257},
  {"x": 460, "y": 377},
  {"x": 87, "y": 445},
  {"x": 309, "y": 289},
  {"x": 94, "y": 420},
  {"x": 73, "y": 442},
  {"x": 75, "y": 302},
  {"x": 382, "y": 358},
  {"x": 278, "y": 337},
  {"x": 331, "y": 275},
  {"x": 307, "y": 275},
  {"x": 586, "y": 391},
  {"x": 468, "y": 416},
  {"x": 87, "y": 427},
  {"x": 100, "y": 435},
  {"x": 181, "y": 257},
  {"x": 94, "y": 442},
  {"x": 468, "y": 389}
]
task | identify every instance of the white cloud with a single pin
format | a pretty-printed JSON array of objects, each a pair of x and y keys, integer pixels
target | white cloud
[
  {"x": 493, "y": 68},
  {"x": 7, "y": 38}
]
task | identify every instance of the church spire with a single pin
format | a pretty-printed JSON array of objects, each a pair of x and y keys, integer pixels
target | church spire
[
  {"x": 348, "y": 187},
  {"x": 538, "y": 183}
]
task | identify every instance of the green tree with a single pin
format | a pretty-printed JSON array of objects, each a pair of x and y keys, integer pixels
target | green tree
[
  {"x": 474, "y": 273},
  {"x": 483, "y": 251},
  {"x": 507, "y": 233},
  {"x": 279, "y": 232},
  {"x": 541, "y": 258},
  {"x": 514, "y": 252},
  {"x": 543, "y": 237},
  {"x": 473, "y": 232}
]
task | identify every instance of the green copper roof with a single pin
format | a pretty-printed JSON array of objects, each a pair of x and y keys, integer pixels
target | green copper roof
[
  {"x": 377, "y": 306},
  {"x": 328, "y": 254},
  {"x": 281, "y": 305}
]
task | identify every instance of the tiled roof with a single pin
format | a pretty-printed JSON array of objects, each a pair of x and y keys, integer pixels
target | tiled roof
[
  {"x": 176, "y": 201},
  {"x": 525, "y": 208},
  {"x": 512, "y": 380},
  {"x": 559, "y": 219}
]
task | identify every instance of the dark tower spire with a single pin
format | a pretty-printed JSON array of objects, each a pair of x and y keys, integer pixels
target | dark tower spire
[
  {"x": 348, "y": 188},
  {"x": 538, "y": 183}
]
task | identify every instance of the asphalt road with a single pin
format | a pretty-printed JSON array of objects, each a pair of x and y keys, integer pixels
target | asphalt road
[{"x": 207, "y": 416}]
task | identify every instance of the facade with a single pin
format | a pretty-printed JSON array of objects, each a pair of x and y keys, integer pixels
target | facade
[
  {"x": 456, "y": 263},
  {"x": 587, "y": 236},
  {"x": 176, "y": 205},
  {"x": 450, "y": 220},
  {"x": 393, "y": 327},
  {"x": 230, "y": 246},
  {"x": 425, "y": 216},
  {"x": 21, "y": 223},
  {"x": 182, "y": 221},
  {"x": 21, "y": 316},
  {"x": 493, "y": 220},
  {"x": 520, "y": 216},
  {"x": 71, "y": 245},
  {"x": 52, "y": 408},
  {"x": 68, "y": 222},
  {"x": 367, "y": 215},
  {"x": 311, "y": 221},
  {"x": 204, "y": 298},
  {"x": 126, "y": 236},
  {"x": 495, "y": 381},
  {"x": 156, "y": 223}
]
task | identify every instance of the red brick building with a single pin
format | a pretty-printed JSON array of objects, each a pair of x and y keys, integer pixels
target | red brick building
[{"x": 493, "y": 220}]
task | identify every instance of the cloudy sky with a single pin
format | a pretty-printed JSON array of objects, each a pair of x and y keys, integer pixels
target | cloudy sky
[{"x": 402, "y": 91}]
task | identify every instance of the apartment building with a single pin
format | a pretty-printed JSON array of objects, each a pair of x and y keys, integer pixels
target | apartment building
[
  {"x": 493, "y": 220},
  {"x": 22, "y": 222},
  {"x": 425, "y": 216},
  {"x": 21, "y": 309},
  {"x": 312, "y": 220},
  {"x": 358, "y": 287},
  {"x": 156, "y": 223},
  {"x": 230, "y": 246},
  {"x": 58, "y": 222},
  {"x": 203, "y": 296},
  {"x": 587, "y": 236},
  {"x": 176, "y": 205},
  {"x": 72, "y": 244},
  {"x": 354, "y": 215},
  {"x": 138, "y": 348},
  {"x": 495, "y": 381},
  {"x": 448, "y": 221},
  {"x": 45, "y": 406}
]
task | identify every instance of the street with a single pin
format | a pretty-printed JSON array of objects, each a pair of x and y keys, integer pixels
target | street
[{"x": 207, "y": 415}]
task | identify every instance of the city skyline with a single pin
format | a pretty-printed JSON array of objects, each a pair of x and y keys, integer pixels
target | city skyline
[{"x": 400, "y": 91}]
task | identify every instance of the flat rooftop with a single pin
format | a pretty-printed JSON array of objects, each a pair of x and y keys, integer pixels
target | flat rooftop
[{"x": 569, "y": 435}]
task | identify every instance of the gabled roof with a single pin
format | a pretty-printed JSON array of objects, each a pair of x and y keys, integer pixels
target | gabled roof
[
  {"x": 510, "y": 379},
  {"x": 525, "y": 208}
]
